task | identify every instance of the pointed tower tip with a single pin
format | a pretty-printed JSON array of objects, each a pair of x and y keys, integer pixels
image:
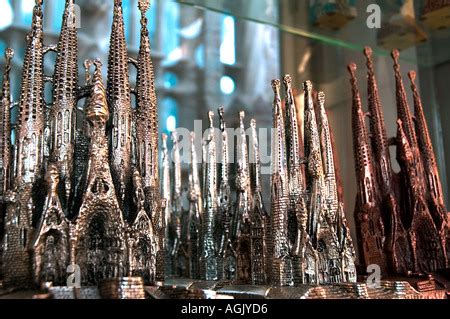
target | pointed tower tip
[
  {"x": 412, "y": 76},
  {"x": 368, "y": 52},
  {"x": 352, "y": 69},
  {"x": 287, "y": 80},
  {"x": 275, "y": 84},
  {"x": 253, "y": 123},
  {"x": 221, "y": 112},
  {"x": 211, "y": 119},
  {"x": 97, "y": 107},
  {"x": 307, "y": 86},
  {"x": 395, "y": 54},
  {"x": 9, "y": 53},
  {"x": 144, "y": 5},
  {"x": 164, "y": 139},
  {"x": 321, "y": 97}
]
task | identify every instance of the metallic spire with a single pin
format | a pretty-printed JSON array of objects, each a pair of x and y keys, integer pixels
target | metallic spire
[
  {"x": 177, "y": 205},
  {"x": 378, "y": 128},
  {"x": 260, "y": 222},
  {"x": 296, "y": 178},
  {"x": 166, "y": 195},
  {"x": 282, "y": 266},
  {"x": 403, "y": 110},
  {"x": 147, "y": 108},
  {"x": 119, "y": 99},
  {"x": 31, "y": 119},
  {"x": 314, "y": 166},
  {"x": 367, "y": 198},
  {"x": 209, "y": 254},
  {"x": 243, "y": 206},
  {"x": 5, "y": 133},
  {"x": 195, "y": 213},
  {"x": 63, "y": 112},
  {"x": 330, "y": 194},
  {"x": 426, "y": 148},
  {"x": 225, "y": 217}
]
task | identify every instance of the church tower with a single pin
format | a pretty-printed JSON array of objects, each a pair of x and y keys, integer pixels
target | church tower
[{"x": 99, "y": 246}]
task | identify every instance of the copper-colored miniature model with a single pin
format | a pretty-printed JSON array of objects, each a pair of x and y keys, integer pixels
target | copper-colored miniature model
[
  {"x": 65, "y": 206},
  {"x": 400, "y": 217}
]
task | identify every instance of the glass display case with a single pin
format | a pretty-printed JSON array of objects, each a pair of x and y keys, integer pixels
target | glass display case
[{"x": 318, "y": 39}]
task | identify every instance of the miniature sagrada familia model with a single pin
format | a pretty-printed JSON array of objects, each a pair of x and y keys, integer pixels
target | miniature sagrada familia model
[
  {"x": 88, "y": 197},
  {"x": 242, "y": 242},
  {"x": 401, "y": 217}
]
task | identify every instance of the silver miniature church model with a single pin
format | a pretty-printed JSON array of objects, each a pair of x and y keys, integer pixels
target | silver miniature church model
[{"x": 88, "y": 197}]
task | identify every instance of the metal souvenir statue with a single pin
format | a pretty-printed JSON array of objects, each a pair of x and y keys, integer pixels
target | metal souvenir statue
[
  {"x": 401, "y": 217},
  {"x": 282, "y": 263},
  {"x": 209, "y": 257},
  {"x": 259, "y": 219},
  {"x": 71, "y": 197},
  {"x": 227, "y": 253},
  {"x": 193, "y": 235},
  {"x": 243, "y": 207}
]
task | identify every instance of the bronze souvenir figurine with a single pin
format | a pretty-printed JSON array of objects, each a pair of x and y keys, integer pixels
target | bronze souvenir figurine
[{"x": 401, "y": 217}]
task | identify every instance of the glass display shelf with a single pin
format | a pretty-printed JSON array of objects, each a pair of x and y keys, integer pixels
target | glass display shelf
[{"x": 409, "y": 25}]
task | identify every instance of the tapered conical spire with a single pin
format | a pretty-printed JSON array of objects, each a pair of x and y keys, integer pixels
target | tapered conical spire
[
  {"x": 31, "y": 118},
  {"x": 282, "y": 263},
  {"x": 209, "y": 269},
  {"x": 426, "y": 148},
  {"x": 5, "y": 130},
  {"x": 314, "y": 163},
  {"x": 378, "y": 128},
  {"x": 63, "y": 112},
  {"x": 367, "y": 199},
  {"x": 404, "y": 113},
  {"x": 331, "y": 195},
  {"x": 119, "y": 99},
  {"x": 147, "y": 109}
]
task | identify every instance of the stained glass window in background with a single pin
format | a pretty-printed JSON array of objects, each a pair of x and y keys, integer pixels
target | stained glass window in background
[
  {"x": 27, "y": 11},
  {"x": 6, "y": 14},
  {"x": 227, "y": 48}
]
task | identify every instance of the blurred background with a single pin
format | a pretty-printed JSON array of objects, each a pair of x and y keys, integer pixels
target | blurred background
[{"x": 209, "y": 53}]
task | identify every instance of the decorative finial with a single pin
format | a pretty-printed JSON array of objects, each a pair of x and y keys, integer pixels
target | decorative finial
[
  {"x": 321, "y": 98},
  {"x": 395, "y": 56},
  {"x": 211, "y": 119},
  {"x": 221, "y": 112},
  {"x": 241, "y": 118},
  {"x": 276, "y": 85},
  {"x": 307, "y": 86},
  {"x": 253, "y": 123},
  {"x": 287, "y": 80},
  {"x": 369, "y": 62},
  {"x": 143, "y": 6},
  {"x": 412, "y": 77},
  {"x": 164, "y": 140},
  {"x": 9, "y": 54},
  {"x": 352, "y": 70}
]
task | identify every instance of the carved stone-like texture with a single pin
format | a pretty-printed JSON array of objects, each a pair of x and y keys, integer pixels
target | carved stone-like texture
[
  {"x": 402, "y": 216},
  {"x": 74, "y": 216}
]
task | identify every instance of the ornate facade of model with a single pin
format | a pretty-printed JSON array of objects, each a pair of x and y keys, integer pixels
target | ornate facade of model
[
  {"x": 82, "y": 197},
  {"x": 401, "y": 217},
  {"x": 243, "y": 243}
]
